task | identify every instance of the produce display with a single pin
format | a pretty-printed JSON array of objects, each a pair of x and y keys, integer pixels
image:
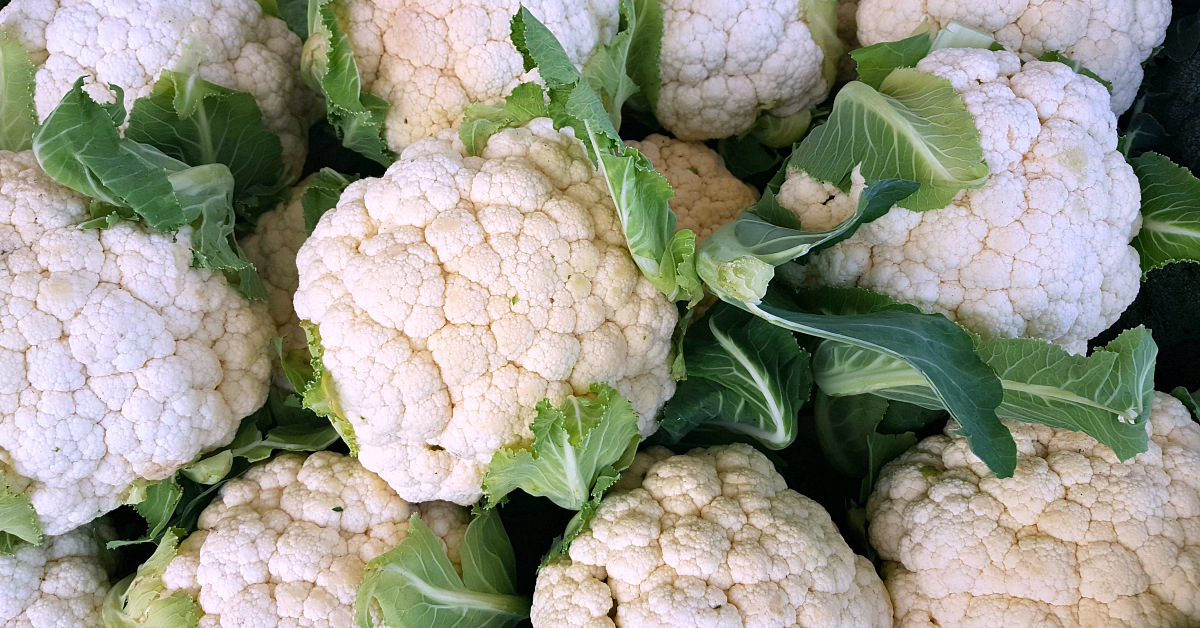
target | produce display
[{"x": 599, "y": 314}]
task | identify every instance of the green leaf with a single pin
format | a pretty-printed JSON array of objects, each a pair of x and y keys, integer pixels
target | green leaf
[
  {"x": 821, "y": 18},
  {"x": 746, "y": 156},
  {"x": 877, "y": 61},
  {"x": 323, "y": 193},
  {"x": 574, "y": 446},
  {"x": 18, "y": 117},
  {"x": 644, "y": 52},
  {"x": 156, "y": 504},
  {"x": 295, "y": 14},
  {"x": 18, "y": 520},
  {"x": 737, "y": 261},
  {"x": 318, "y": 392},
  {"x": 197, "y": 122},
  {"x": 640, "y": 194},
  {"x": 915, "y": 127},
  {"x": 1189, "y": 399},
  {"x": 329, "y": 65},
  {"x": 941, "y": 352},
  {"x": 416, "y": 586},
  {"x": 847, "y": 432},
  {"x": 1058, "y": 57},
  {"x": 481, "y": 121},
  {"x": 781, "y": 132},
  {"x": 142, "y": 600},
  {"x": 1170, "y": 213},
  {"x": 1106, "y": 395},
  {"x": 959, "y": 35},
  {"x": 631, "y": 54},
  {"x": 743, "y": 374}
]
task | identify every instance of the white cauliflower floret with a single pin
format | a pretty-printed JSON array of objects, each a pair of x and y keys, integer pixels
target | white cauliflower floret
[
  {"x": 128, "y": 43},
  {"x": 455, "y": 293},
  {"x": 723, "y": 63},
  {"x": 429, "y": 59},
  {"x": 120, "y": 361},
  {"x": 707, "y": 195},
  {"x": 1109, "y": 37},
  {"x": 60, "y": 584},
  {"x": 1042, "y": 249},
  {"x": 272, "y": 249},
  {"x": 710, "y": 539},
  {"x": 288, "y": 543},
  {"x": 1074, "y": 538}
]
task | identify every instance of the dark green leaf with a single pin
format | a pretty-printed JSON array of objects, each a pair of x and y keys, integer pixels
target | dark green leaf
[
  {"x": 322, "y": 195},
  {"x": 1170, "y": 213}
]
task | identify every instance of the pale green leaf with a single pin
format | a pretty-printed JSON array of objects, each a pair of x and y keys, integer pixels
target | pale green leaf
[
  {"x": 18, "y": 520},
  {"x": 1170, "y": 212},
  {"x": 142, "y": 600},
  {"x": 319, "y": 394},
  {"x": 526, "y": 102},
  {"x": 18, "y": 117}
]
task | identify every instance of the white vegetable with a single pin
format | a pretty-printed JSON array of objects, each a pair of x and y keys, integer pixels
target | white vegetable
[
  {"x": 121, "y": 361},
  {"x": 1075, "y": 538},
  {"x": 455, "y": 293},
  {"x": 60, "y": 584}
]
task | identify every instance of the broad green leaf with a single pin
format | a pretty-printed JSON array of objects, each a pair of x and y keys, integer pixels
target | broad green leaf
[
  {"x": 481, "y": 121},
  {"x": 416, "y": 586},
  {"x": 197, "y": 122},
  {"x": 744, "y": 375},
  {"x": 1189, "y": 399},
  {"x": 210, "y": 470},
  {"x": 877, "y": 61},
  {"x": 156, "y": 504},
  {"x": 18, "y": 117},
  {"x": 821, "y": 18},
  {"x": 323, "y": 194},
  {"x": 848, "y": 434},
  {"x": 746, "y": 156},
  {"x": 1142, "y": 133},
  {"x": 644, "y": 53},
  {"x": 18, "y": 520},
  {"x": 641, "y": 195},
  {"x": 1106, "y": 395},
  {"x": 611, "y": 68},
  {"x": 575, "y": 445},
  {"x": 319, "y": 394},
  {"x": 1058, "y": 57},
  {"x": 142, "y": 600},
  {"x": 959, "y": 35},
  {"x": 737, "y": 261},
  {"x": 781, "y": 132},
  {"x": 914, "y": 127},
  {"x": 329, "y": 65},
  {"x": 1170, "y": 213},
  {"x": 940, "y": 351}
]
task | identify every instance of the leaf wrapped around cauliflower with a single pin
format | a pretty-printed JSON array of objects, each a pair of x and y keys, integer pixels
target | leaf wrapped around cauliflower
[
  {"x": 710, "y": 538},
  {"x": 287, "y": 544},
  {"x": 1042, "y": 249},
  {"x": 127, "y": 44},
  {"x": 1075, "y": 538},
  {"x": 1110, "y": 37},
  {"x": 455, "y": 293},
  {"x": 60, "y": 584},
  {"x": 123, "y": 363}
]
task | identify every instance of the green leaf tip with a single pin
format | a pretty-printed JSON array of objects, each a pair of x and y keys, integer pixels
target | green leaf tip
[
  {"x": 19, "y": 522},
  {"x": 319, "y": 393},
  {"x": 322, "y": 195}
]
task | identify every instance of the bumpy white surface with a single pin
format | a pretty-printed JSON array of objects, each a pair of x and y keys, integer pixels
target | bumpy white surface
[
  {"x": 1075, "y": 538},
  {"x": 431, "y": 58},
  {"x": 723, "y": 63},
  {"x": 119, "y": 360},
  {"x": 710, "y": 539},
  {"x": 1042, "y": 249},
  {"x": 60, "y": 584},
  {"x": 1109, "y": 37},
  {"x": 273, "y": 551},
  {"x": 707, "y": 195},
  {"x": 455, "y": 293},
  {"x": 129, "y": 42}
]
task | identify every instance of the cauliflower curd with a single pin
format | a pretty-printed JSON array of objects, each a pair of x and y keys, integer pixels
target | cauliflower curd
[
  {"x": 1075, "y": 538},
  {"x": 1042, "y": 250},
  {"x": 429, "y": 59},
  {"x": 129, "y": 42},
  {"x": 710, "y": 539},
  {"x": 120, "y": 361},
  {"x": 1109, "y": 37},
  {"x": 59, "y": 584},
  {"x": 288, "y": 543},
  {"x": 455, "y": 293}
]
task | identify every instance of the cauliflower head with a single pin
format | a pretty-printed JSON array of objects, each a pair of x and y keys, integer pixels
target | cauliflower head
[
  {"x": 710, "y": 539},
  {"x": 707, "y": 195},
  {"x": 1074, "y": 538},
  {"x": 129, "y": 42},
  {"x": 288, "y": 543},
  {"x": 1042, "y": 249},
  {"x": 1109, "y": 37},
  {"x": 455, "y": 293},
  {"x": 723, "y": 63},
  {"x": 272, "y": 249},
  {"x": 429, "y": 59},
  {"x": 120, "y": 361},
  {"x": 59, "y": 584}
]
